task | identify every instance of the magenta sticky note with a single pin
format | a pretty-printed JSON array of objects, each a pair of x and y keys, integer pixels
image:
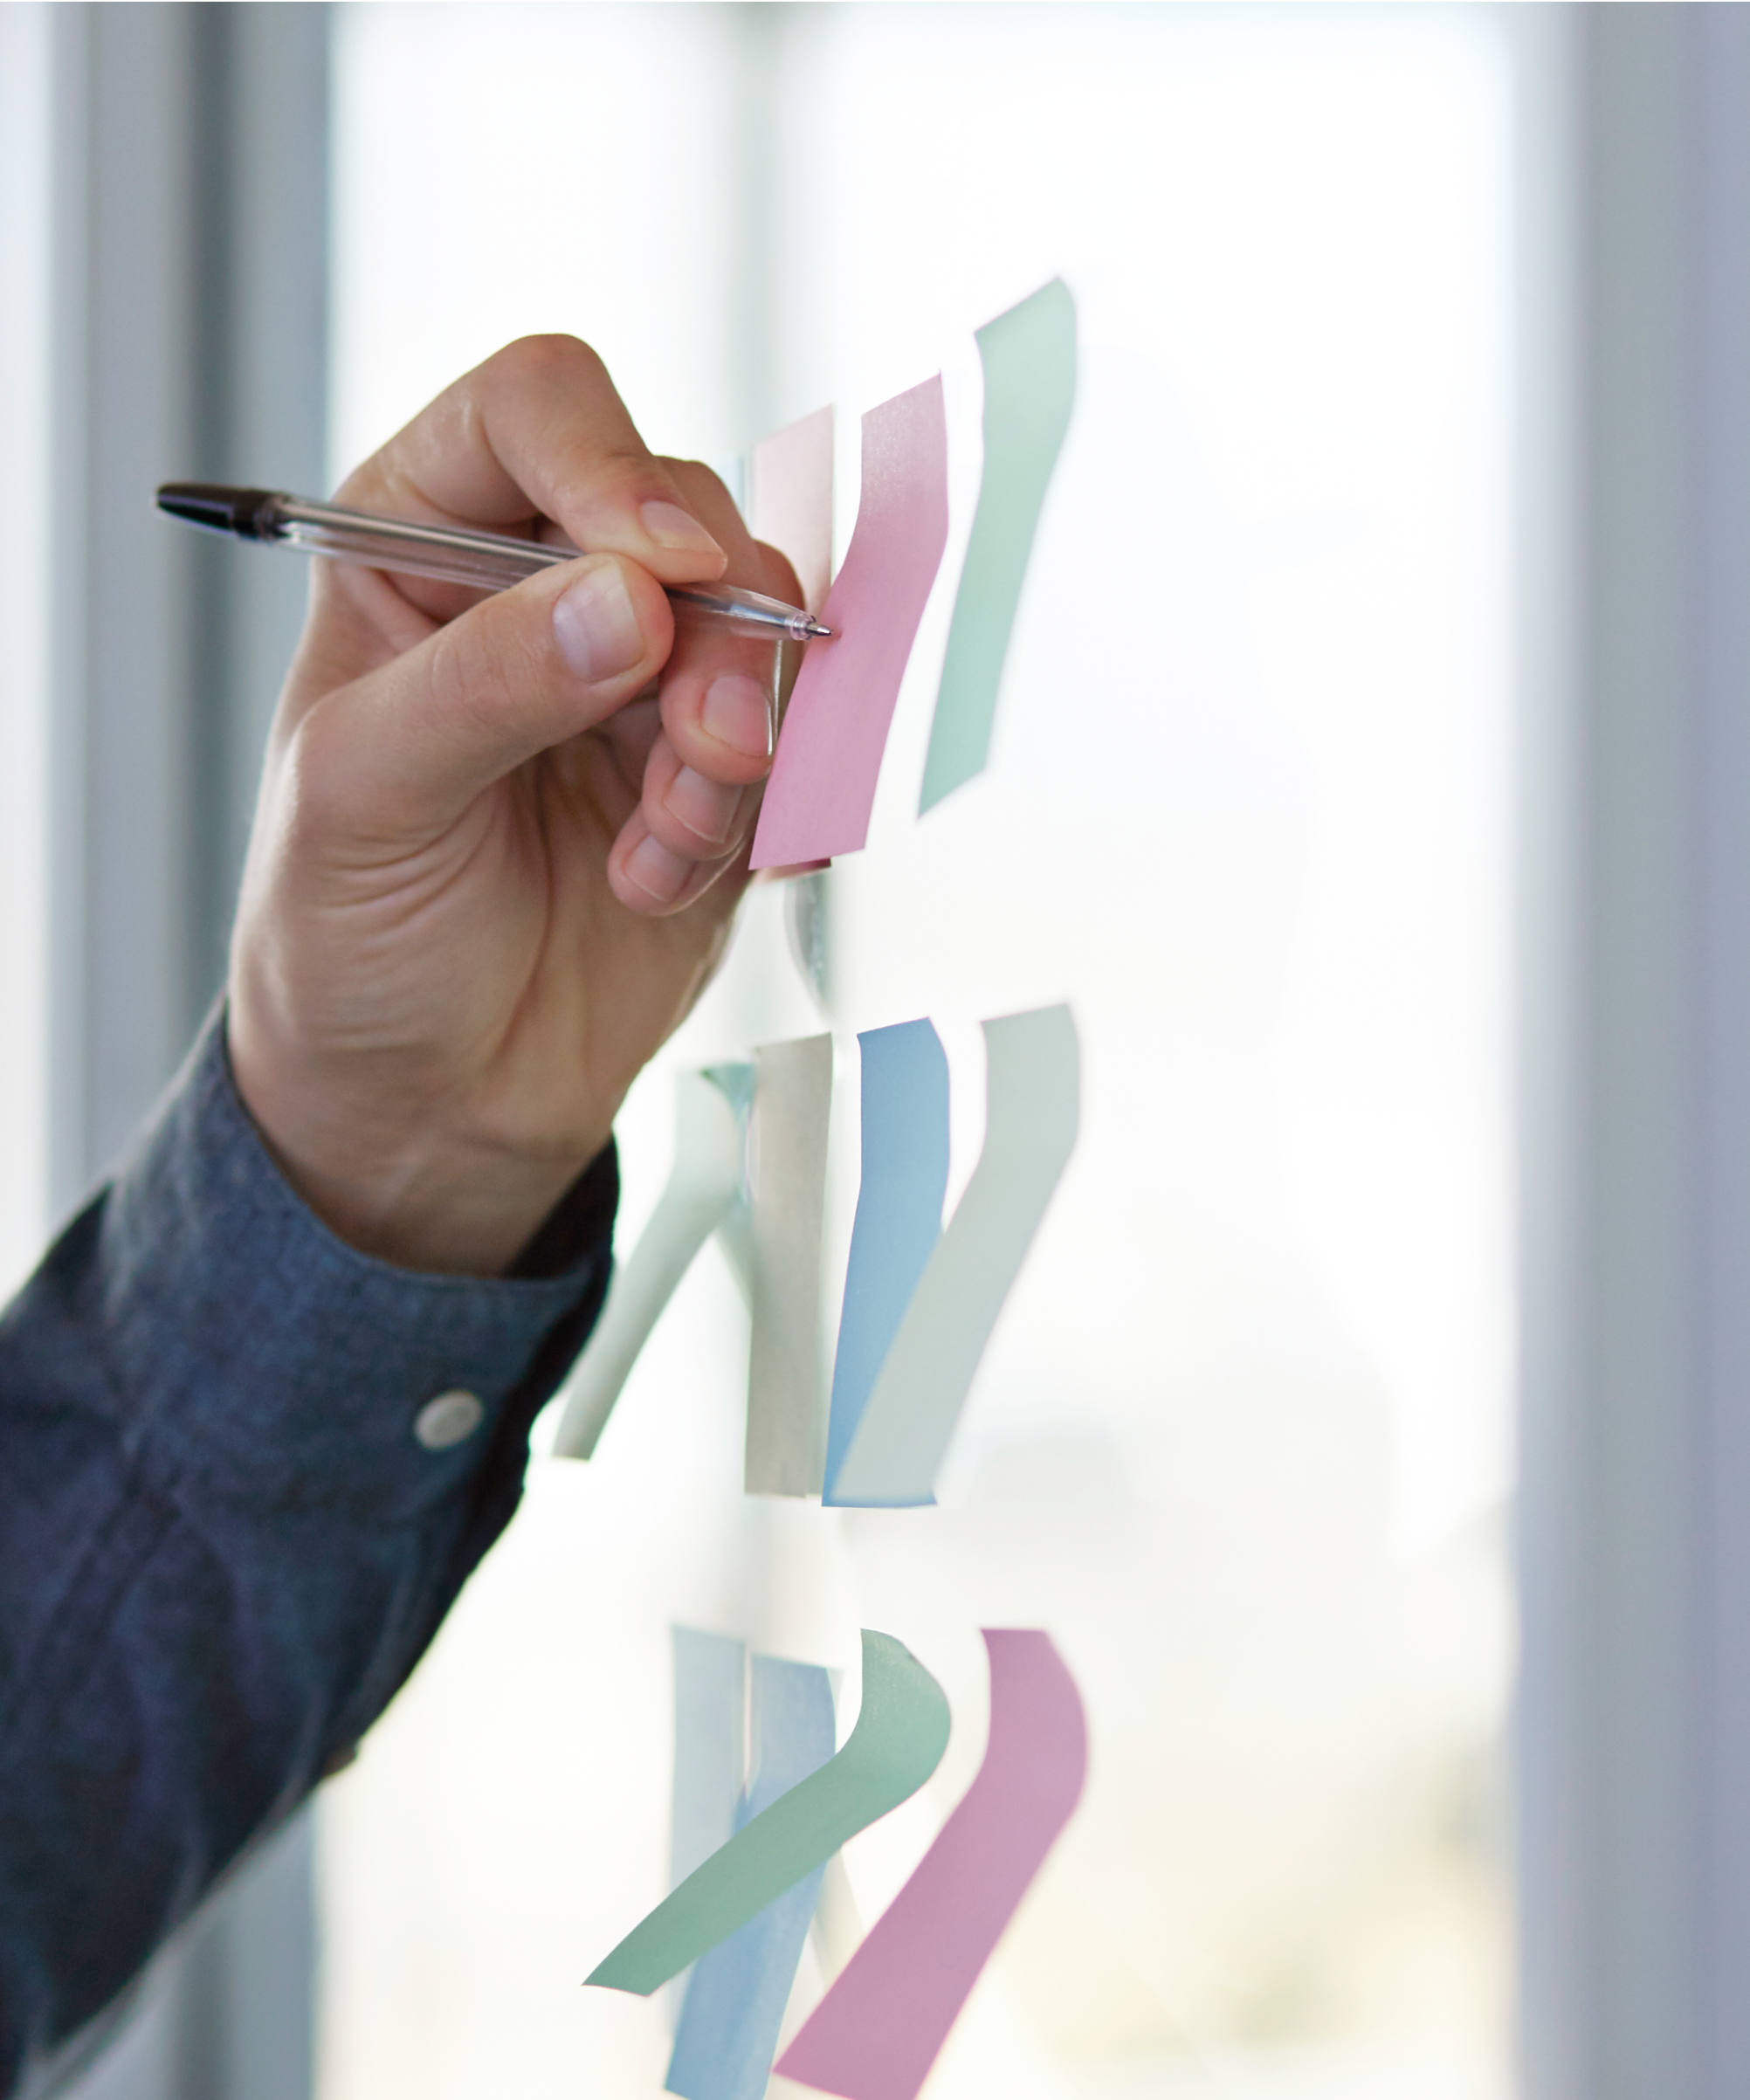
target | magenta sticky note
[
  {"x": 879, "y": 2028},
  {"x": 828, "y": 755}
]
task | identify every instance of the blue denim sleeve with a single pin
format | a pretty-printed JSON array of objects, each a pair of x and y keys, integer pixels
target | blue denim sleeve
[{"x": 223, "y": 1544}]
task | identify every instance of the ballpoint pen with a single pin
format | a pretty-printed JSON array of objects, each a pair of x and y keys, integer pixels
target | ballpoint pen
[{"x": 484, "y": 560}]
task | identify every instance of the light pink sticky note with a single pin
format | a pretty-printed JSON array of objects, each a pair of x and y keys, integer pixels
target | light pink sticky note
[
  {"x": 789, "y": 499},
  {"x": 829, "y": 756},
  {"x": 879, "y": 2028}
]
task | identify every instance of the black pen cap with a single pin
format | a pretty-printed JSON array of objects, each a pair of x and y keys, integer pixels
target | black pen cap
[{"x": 244, "y": 511}]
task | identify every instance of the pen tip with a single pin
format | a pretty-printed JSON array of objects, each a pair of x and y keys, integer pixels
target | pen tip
[{"x": 817, "y": 631}]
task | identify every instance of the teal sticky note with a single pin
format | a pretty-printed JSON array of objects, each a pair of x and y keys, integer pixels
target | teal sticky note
[
  {"x": 901, "y": 1731},
  {"x": 1028, "y": 356}
]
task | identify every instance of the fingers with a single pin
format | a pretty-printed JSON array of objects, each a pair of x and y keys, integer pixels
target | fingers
[
  {"x": 656, "y": 882},
  {"x": 720, "y": 717},
  {"x": 397, "y": 755},
  {"x": 721, "y": 689},
  {"x": 537, "y": 432},
  {"x": 702, "y": 778}
]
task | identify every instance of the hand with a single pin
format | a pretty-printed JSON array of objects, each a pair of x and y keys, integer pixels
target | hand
[{"x": 491, "y": 871}]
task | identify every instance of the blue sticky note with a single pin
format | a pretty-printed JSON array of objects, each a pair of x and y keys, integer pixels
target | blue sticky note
[
  {"x": 1033, "y": 1114},
  {"x": 734, "y": 2004},
  {"x": 899, "y": 1213}
]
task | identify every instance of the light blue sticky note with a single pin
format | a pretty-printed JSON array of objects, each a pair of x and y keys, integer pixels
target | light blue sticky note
[
  {"x": 709, "y": 1748},
  {"x": 710, "y": 1753},
  {"x": 734, "y": 2005},
  {"x": 899, "y": 1213}
]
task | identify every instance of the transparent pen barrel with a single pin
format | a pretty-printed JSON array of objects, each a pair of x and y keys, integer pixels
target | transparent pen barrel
[
  {"x": 490, "y": 561},
  {"x": 436, "y": 551}
]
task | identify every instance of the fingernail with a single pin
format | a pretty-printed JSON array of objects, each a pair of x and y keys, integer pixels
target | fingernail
[
  {"x": 657, "y": 872},
  {"x": 737, "y": 712},
  {"x": 707, "y": 807},
  {"x": 596, "y": 630},
  {"x": 669, "y": 526}
]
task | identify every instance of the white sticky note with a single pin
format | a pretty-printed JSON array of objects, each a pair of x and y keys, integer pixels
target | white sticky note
[
  {"x": 787, "y": 1182},
  {"x": 708, "y": 1152},
  {"x": 789, "y": 499}
]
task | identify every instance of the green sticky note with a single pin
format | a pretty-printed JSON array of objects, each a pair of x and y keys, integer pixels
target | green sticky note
[
  {"x": 901, "y": 1732},
  {"x": 1028, "y": 356}
]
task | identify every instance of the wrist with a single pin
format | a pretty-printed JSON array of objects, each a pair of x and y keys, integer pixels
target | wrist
[
  {"x": 438, "y": 1211},
  {"x": 393, "y": 1178}
]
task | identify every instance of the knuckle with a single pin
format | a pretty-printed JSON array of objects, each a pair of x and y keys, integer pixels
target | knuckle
[
  {"x": 619, "y": 461},
  {"x": 615, "y": 473},
  {"x": 551, "y": 359},
  {"x": 694, "y": 478}
]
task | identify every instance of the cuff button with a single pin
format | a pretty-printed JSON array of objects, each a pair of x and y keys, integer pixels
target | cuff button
[{"x": 450, "y": 1419}]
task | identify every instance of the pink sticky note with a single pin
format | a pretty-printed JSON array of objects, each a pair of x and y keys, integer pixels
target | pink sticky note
[
  {"x": 822, "y": 782},
  {"x": 789, "y": 499},
  {"x": 879, "y": 2028}
]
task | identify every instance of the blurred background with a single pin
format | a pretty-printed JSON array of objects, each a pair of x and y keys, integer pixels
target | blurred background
[{"x": 1367, "y": 1424}]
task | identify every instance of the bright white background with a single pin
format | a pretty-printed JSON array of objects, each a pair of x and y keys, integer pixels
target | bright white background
[{"x": 1242, "y": 1441}]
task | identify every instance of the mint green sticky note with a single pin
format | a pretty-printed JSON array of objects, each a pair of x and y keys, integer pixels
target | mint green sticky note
[
  {"x": 1028, "y": 356},
  {"x": 901, "y": 1732}
]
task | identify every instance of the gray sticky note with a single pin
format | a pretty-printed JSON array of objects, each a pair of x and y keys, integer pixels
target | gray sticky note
[{"x": 787, "y": 1180}]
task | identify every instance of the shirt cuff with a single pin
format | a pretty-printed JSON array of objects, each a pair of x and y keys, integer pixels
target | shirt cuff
[{"x": 258, "y": 1357}]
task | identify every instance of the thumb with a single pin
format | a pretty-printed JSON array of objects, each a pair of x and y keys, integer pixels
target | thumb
[{"x": 401, "y": 753}]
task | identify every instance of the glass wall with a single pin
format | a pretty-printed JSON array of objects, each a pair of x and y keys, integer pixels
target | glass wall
[{"x": 1242, "y": 1442}]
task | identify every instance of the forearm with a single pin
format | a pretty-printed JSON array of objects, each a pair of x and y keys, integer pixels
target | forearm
[{"x": 223, "y": 1544}]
